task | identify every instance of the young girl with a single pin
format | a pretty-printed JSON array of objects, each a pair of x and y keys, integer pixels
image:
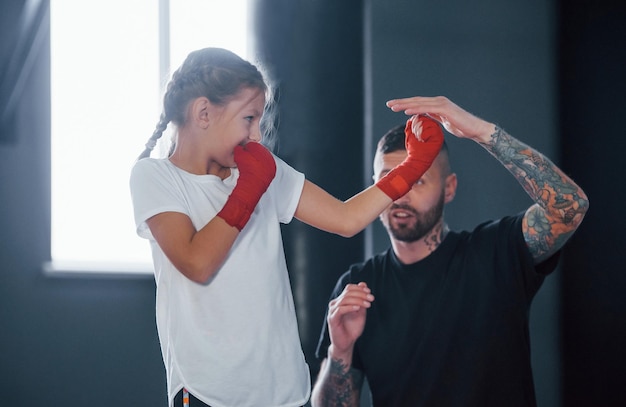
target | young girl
[{"x": 212, "y": 212}]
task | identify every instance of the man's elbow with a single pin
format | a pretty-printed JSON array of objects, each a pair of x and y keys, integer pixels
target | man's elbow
[{"x": 579, "y": 212}]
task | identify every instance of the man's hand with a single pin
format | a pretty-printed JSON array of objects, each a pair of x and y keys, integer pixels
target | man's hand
[
  {"x": 453, "y": 118},
  {"x": 338, "y": 383},
  {"x": 346, "y": 319},
  {"x": 560, "y": 204}
]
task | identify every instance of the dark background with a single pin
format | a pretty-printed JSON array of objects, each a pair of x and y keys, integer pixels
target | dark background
[{"x": 549, "y": 72}]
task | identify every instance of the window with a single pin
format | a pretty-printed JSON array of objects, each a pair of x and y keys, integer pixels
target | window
[{"x": 109, "y": 63}]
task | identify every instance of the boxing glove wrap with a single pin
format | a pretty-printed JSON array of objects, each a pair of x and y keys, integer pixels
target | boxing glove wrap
[
  {"x": 420, "y": 156},
  {"x": 257, "y": 169}
]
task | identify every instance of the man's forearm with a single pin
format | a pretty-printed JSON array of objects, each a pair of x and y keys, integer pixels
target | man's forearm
[
  {"x": 562, "y": 203},
  {"x": 338, "y": 385}
]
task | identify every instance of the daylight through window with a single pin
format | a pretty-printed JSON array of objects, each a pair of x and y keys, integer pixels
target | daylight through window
[{"x": 107, "y": 63}]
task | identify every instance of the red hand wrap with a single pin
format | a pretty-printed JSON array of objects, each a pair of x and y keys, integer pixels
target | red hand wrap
[
  {"x": 256, "y": 171},
  {"x": 421, "y": 154}
]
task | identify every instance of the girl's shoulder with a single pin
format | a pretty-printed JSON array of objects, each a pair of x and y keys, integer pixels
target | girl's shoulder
[
  {"x": 152, "y": 165},
  {"x": 148, "y": 168}
]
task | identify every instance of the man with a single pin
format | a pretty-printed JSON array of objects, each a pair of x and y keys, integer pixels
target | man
[{"x": 449, "y": 322}]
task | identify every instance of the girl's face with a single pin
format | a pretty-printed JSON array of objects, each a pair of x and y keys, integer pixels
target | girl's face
[{"x": 236, "y": 123}]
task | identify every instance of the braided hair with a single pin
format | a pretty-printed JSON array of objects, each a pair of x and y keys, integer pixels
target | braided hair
[{"x": 214, "y": 73}]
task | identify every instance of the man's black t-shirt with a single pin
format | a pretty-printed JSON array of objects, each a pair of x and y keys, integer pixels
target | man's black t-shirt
[{"x": 451, "y": 329}]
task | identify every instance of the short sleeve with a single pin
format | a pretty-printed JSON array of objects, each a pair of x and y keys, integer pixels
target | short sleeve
[
  {"x": 287, "y": 188},
  {"x": 152, "y": 192}
]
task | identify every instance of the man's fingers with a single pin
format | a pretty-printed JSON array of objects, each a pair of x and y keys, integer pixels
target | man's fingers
[
  {"x": 360, "y": 286},
  {"x": 339, "y": 312},
  {"x": 352, "y": 300},
  {"x": 354, "y": 297},
  {"x": 356, "y": 291}
]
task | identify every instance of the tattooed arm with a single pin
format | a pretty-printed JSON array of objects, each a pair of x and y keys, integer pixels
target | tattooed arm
[
  {"x": 560, "y": 204},
  {"x": 338, "y": 384}
]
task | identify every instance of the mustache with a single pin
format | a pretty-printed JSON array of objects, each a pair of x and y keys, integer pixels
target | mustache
[{"x": 403, "y": 207}]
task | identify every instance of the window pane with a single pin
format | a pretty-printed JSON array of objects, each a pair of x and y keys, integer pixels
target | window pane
[
  {"x": 106, "y": 101},
  {"x": 105, "y": 91}
]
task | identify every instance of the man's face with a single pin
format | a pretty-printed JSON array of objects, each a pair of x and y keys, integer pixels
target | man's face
[{"x": 412, "y": 216}]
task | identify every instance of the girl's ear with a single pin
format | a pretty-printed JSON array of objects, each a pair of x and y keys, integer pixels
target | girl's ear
[{"x": 200, "y": 112}]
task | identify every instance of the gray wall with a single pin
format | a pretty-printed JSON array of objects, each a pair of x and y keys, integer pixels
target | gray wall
[{"x": 315, "y": 52}]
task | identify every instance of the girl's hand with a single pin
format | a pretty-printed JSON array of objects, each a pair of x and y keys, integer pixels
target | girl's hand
[
  {"x": 423, "y": 140},
  {"x": 256, "y": 171}
]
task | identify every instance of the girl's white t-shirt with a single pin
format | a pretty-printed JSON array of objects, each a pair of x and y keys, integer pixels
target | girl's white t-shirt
[{"x": 233, "y": 341}]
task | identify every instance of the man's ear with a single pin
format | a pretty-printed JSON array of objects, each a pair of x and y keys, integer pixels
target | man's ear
[{"x": 450, "y": 188}]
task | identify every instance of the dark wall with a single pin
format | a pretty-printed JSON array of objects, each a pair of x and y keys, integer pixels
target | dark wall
[
  {"x": 551, "y": 74},
  {"x": 593, "y": 105},
  {"x": 314, "y": 51}
]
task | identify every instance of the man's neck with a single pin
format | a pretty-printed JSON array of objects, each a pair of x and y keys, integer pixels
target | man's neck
[{"x": 412, "y": 252}]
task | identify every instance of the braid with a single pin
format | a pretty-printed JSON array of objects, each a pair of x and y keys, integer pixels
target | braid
[{"x": 158, "y": 132}]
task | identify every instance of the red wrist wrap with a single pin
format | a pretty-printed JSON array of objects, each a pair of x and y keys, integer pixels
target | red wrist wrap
[
  {"x": 256, "y": 171},
  {"x": 421, "y": 154}
]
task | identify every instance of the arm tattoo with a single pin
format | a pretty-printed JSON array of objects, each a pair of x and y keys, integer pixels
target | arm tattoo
[
  {"x": 560, "y": 203},
  {"x": 341, "y": 385}
]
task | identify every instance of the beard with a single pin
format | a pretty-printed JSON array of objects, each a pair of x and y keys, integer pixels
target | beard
[{"x": 421, "y": 224}]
